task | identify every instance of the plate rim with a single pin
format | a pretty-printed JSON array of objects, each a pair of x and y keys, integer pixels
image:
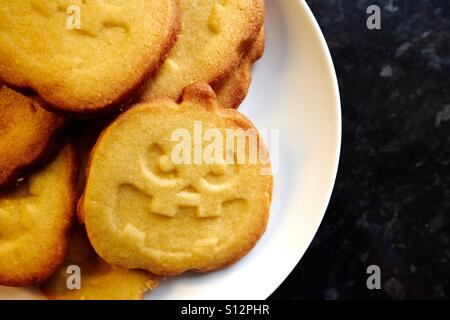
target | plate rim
[{"x": 338, "y": 109}]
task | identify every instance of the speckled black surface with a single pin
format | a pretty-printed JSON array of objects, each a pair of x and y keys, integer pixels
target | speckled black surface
[{"x": 391, "y": 202}]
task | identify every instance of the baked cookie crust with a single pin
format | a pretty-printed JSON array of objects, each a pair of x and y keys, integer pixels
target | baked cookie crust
[
  {"x": 99, "y": 280},
  {"x": 233, "y": 89},
  {"x": 143, "y": 211},
  {"x": 35, "y": 220},
  {"x": 216, "y": 34},
  {"x": 92, "y": 67},
  {"x": 29, "y": 135}
]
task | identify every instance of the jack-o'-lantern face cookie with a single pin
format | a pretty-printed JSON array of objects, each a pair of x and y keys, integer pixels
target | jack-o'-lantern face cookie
[
  {"x": 214, "y": 37},
  {"x": 35, "y": 218},
  {"x": 84, "y": 56},
  {"x": 175, "y": 187},
  {"x": 98, "y": 280}
]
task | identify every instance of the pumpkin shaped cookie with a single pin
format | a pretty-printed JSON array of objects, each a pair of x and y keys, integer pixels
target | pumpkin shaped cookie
[
  {"x": 176, "y": 187},
  {"x": 215, "y": 35},
  {"x": 84, "y": 56}
]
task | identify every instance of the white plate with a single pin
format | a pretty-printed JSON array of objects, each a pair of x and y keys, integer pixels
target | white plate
[{"x": 294, "y": 91}]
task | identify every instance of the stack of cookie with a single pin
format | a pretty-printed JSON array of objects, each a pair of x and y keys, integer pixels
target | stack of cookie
[{"x": 116, "y": 164}]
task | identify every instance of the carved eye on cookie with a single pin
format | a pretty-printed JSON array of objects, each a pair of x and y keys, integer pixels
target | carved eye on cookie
[
  {"x": 222, "y": 172},
  {"x": 217, "y": 14},
  {"x": 161, "y": 164}
]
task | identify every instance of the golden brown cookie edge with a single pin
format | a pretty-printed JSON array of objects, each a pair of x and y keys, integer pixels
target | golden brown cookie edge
[{"x": 60, "y": 252}]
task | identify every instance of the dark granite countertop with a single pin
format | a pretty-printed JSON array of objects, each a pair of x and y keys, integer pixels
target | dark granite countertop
[{"x": 391, "y": 203}]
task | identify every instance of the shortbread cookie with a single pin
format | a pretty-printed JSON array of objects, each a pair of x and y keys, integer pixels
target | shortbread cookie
[
  {"x": 150, "y": 204},
  {"x": 28, "y": 134},
  {"x": 98, "y": 279},
  {"x": 233, "y": 89},
  {"x": 84, "y": 56},
  {"x": 35, "y": 218},
  {"x": 215, "y": 36}
]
